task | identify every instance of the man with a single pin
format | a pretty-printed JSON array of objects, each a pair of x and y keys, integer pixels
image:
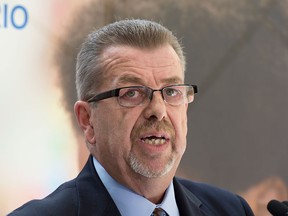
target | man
[{"x": 132, "y": 109}]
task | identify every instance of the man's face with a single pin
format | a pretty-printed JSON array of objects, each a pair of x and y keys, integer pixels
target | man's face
[{"x": 147, "y": 140}]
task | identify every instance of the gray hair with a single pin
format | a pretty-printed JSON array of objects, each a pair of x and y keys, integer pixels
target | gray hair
[{"x": 134, "y": 33}]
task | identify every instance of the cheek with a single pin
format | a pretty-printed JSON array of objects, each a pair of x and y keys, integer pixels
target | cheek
[
  {"x": 183, "y": 134},
  {"x": 179, "y": 122},
  {"x": 185, "y": 124},
  {"x": 114, "y": 125},
  {"x": 184, "y": 129},
  {"x": 184, "y": 120}
]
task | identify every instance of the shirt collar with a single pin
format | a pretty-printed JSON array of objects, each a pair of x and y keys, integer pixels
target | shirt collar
[{"x": 128, "y": 202}]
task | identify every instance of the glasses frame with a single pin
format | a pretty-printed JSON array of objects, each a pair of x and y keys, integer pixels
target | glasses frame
[{"x": 115, "y": 93}]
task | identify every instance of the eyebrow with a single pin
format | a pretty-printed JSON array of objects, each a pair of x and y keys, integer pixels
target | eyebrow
[
  {"x": 130, "y": 79},
  {"x": 173, "y": 80},
  {"x": 133, "y": 79}
]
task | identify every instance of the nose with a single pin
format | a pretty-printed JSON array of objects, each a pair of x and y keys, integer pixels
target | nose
[{"x": 156, "y": 109}]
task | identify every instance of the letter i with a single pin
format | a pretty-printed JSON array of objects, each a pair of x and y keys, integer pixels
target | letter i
[{"x": 5, "y": 15}]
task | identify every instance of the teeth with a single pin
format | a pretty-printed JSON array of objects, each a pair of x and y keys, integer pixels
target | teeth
[{"x": 155, "y": 141}]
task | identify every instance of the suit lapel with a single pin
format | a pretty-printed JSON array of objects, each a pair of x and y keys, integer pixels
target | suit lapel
[
  {"x": 93, "y": 197},
  {"x": 187, "y": 202}
]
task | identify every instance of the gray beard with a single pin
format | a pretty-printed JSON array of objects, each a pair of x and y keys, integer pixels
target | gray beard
[{"x": 144, "y": 170}]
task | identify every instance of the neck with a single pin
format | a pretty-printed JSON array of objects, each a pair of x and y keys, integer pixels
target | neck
[{"x": 152, "y": 189}]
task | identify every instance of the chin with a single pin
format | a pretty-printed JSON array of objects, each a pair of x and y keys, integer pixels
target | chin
[{"x": 153, "y": 170}]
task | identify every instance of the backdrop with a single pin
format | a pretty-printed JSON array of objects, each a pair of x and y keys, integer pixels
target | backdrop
[{"x": 237, "y": 54}]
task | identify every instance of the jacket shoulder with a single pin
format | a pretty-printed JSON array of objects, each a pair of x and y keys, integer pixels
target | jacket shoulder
[
  {"x": 63, "y": 201},
  {"x": 217, "y": 199}
]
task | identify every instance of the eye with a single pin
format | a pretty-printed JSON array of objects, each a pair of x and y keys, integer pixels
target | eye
[
  {"x": 133, "y": 96},
  {"x": 172, "y": 92},
  {"x": 130, "y": 93}
]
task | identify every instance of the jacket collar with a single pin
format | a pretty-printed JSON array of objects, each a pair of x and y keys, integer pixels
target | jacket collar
[
  {"x": 93, "y": 197},
  {"x": 187, "y": 202}
]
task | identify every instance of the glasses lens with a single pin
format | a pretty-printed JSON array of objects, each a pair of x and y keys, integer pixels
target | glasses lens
[
  {"x": 190, "y": 93},
  {"x": 132, "y": 96},
  {"x": 176, "y": 95}
]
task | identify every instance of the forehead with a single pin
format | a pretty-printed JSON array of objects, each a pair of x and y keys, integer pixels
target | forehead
[{"x": 158, "y": 66}]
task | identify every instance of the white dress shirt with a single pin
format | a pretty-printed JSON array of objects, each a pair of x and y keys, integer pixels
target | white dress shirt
[{"x": 130, "y": 203}]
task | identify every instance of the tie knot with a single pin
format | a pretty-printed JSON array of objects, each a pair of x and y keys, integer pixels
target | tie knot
[{"x": 159, "y": 212}]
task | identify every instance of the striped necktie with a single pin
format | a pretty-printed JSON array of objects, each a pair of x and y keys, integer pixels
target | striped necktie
[{"x": 159, "y": 212}]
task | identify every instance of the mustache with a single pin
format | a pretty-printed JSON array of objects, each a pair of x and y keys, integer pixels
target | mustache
[{"x": 163, "y": 125}]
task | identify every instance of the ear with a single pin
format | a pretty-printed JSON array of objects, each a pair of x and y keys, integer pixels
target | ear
[{"x": 83, "y": 114}]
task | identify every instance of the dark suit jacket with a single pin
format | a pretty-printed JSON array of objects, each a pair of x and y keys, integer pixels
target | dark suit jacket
[{"x": 86, "y": 195}]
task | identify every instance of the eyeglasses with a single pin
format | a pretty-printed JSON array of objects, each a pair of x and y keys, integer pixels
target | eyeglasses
[{"x": 137, "y": 95}]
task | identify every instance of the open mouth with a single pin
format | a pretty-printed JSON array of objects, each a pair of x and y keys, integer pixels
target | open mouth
[{"x": 154, "y": 140}]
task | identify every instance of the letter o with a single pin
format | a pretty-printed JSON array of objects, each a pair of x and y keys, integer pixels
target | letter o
[{"x": 25, "y": 20}]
